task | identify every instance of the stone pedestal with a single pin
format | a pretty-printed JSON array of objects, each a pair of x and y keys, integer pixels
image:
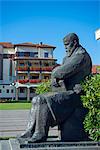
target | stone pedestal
[
  {"x": 72, "y": 130},
  {"x": 15, "y": 145}
]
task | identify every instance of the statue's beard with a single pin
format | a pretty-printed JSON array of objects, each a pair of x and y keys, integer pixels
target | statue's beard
[{"x": 70, "y": 50}]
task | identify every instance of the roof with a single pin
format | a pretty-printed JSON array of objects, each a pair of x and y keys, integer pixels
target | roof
[
  {"x": 29, "y": 44},
  {"x": 96, "y": 69},
  {"x": 7, "y": 44}
]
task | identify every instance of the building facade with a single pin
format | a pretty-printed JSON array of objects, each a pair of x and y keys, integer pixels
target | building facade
[
  {"x": 97, "y": 34},
  {"x": 23, "y": 67},
  {"x": 96, "y": 69}
]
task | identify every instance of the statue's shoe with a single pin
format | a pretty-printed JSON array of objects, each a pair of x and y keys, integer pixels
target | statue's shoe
[
  {"x": 37, "y": 137},
  {"x": 21, "y": 140},
  {"x": 26, "y": 134}
]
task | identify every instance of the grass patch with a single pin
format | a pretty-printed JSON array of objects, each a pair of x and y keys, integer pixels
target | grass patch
[
  {"x": 14, "y": 106},
  {"x": 6, "y": 138}
]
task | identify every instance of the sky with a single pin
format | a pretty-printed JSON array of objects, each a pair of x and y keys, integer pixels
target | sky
[{"x": 49, "y": 21}]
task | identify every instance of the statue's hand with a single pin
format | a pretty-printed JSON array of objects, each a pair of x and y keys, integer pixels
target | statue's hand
[{"x": 55, "y": 82}]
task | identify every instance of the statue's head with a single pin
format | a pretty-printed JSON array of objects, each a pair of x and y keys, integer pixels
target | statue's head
[{"x": 71, "y": 41}]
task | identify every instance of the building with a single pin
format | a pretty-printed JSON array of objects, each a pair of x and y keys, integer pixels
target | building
[
  {"x": 23, "y": 67},
  {"x": 97, "y": 34},
  {"x": 96, "y": 69}
]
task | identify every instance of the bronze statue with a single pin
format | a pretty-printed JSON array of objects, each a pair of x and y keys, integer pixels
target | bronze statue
[{"x": 62, "y": 106}]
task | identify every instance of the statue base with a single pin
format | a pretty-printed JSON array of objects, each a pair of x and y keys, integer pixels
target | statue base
[{"x": 15, "y": 145}]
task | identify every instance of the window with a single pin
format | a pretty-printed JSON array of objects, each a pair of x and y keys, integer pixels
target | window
[
  {"x": 35, "y": 54},
  {"x": 21, "y": 77},
  {"x": 46, "y": 77},
  {"x": 31, "y": 54},
  {"x": 12, "y": 90},
  {"x": 46, "y": 64},
  {"x": 32, "y": 90},
  {"x": 22, "y": 90},
  {"x": 0, "y": 91},
  {"x": 36, "y": 63},
  {"x": 29, "y": 63},
  {"x": 27, "y": 54},
  {"x": 7, "y": 90},
  {"x": 34, "y": 77},
  {"x": 22, "y": 64},
  {"x": 20, "y": 54},
  {"x": 46, "y": 54}
]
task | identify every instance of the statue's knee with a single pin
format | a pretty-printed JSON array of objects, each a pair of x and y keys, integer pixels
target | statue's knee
[
  {"x": 38, "y": 100},
  {"x": 35, "y": 100}
]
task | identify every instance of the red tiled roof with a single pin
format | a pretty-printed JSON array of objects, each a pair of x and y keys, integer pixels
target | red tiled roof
[
  {"x": 29, "y": 44},
  {"x": 6, "y": 44},
  {"x": 95, "y": 69}
]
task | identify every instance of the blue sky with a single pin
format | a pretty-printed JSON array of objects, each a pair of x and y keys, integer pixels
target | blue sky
[{"x": 49, "y": 21}]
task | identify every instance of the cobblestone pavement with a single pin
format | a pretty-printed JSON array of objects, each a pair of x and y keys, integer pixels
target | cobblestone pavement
[{"x": 14, "y": 122}]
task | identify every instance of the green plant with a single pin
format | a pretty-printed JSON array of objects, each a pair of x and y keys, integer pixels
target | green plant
[
  {"x": 44, "y": 87},
  {"x": 91, "y": 100}
]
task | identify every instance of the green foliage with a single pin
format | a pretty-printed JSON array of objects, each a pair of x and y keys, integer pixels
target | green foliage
[
  {"x": 91, "y": 100},
  {"x": 44, "y": 87}
]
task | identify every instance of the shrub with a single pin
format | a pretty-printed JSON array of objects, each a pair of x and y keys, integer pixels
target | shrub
[
  {"x": 91, "y": 100},
  {"x": 44, "y": 87}
]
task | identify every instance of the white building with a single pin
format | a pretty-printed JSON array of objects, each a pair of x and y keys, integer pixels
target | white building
[
  {"x": 22, "y": 68},
  {"x": 97, "y": 34}
]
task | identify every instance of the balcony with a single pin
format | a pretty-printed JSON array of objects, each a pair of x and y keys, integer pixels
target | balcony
[
  {"x": 35, "y": 81},
  {"x": 41, "y": 69},
  {"x": 23, "y": 81},
  {"x": 34, "y": 68},
  {"x": 22, "y": 68},
  {"x": 26, "y": 68},
  {"x": 47, "y": 68}
]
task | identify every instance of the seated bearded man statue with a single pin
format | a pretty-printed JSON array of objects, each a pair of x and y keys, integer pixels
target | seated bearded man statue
[{"x": 62, "y": 106}]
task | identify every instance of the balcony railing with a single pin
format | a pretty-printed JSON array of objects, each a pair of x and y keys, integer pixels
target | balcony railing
[
  {"x": 35, "y": 68},
  {"x": 35, "y": 80},
  {"x": 41, "y": 68},
  {"x": 22, "y": 68},
  {"x": 23, "y": 81},
  {"x": 47, "y": 68},
  {"x": 26, "y": 68}
]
